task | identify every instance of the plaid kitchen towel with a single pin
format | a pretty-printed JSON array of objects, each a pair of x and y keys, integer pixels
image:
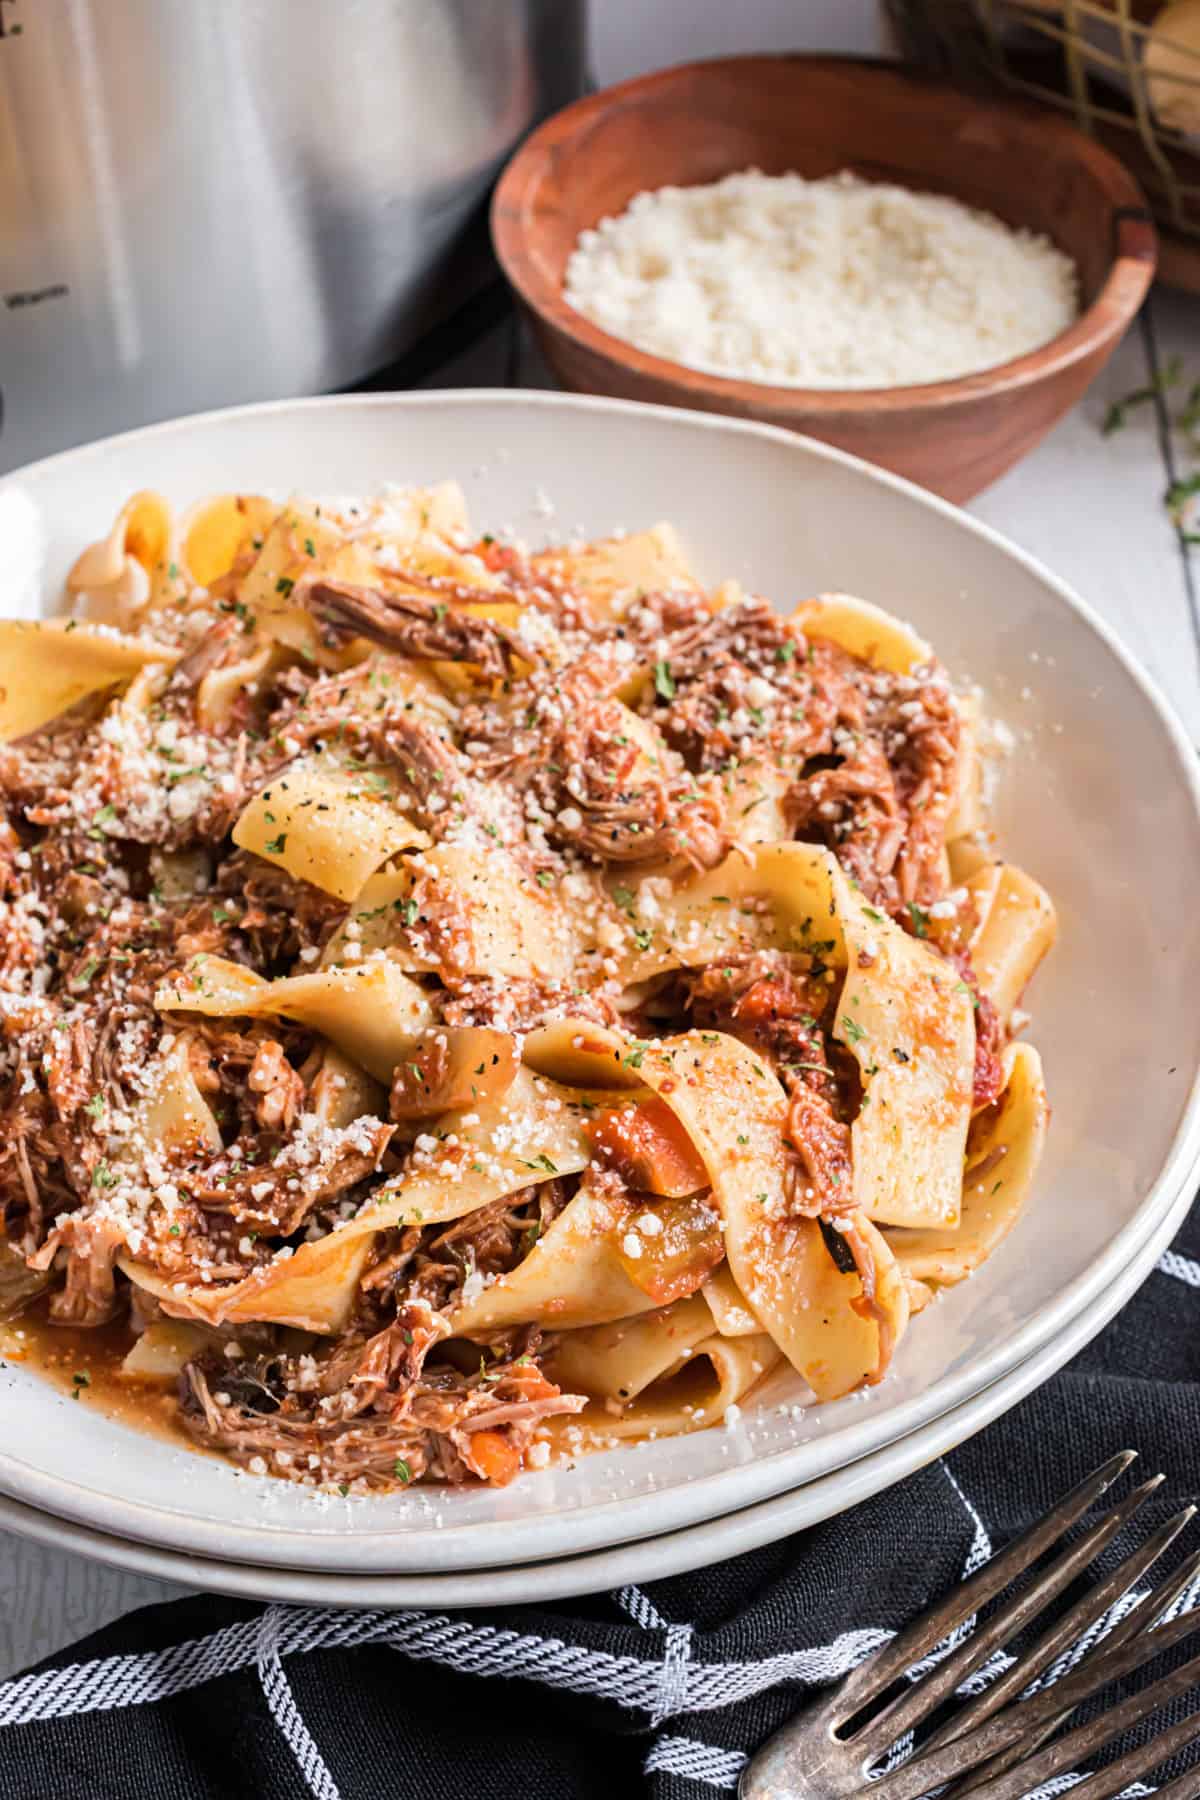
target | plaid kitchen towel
[{"x": 658, "y": 1691}]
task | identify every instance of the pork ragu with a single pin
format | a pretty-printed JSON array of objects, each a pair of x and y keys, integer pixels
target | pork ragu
[{"x": 595, "y": 749}]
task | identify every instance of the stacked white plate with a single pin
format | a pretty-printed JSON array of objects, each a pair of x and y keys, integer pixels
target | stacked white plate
[{"x": 1100, "y": 799}]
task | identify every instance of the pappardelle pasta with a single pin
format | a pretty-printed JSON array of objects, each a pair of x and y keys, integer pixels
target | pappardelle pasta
[{"x": 461, "y": 1004}]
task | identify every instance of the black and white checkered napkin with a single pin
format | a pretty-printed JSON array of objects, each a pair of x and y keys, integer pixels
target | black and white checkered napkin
[{"x": 659, "y": 1691}]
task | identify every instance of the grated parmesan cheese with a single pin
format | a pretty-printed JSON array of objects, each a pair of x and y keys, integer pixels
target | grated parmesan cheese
[{"x": 838, "y": 283}]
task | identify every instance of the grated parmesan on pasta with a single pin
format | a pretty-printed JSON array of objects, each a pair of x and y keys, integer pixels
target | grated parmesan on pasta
[
  {"x": 444, "y": 988},
  {"x": 832, "y": 283}
]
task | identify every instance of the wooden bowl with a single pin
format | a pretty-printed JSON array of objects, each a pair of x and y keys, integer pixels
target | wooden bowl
[{"x": 816, "y": 115}]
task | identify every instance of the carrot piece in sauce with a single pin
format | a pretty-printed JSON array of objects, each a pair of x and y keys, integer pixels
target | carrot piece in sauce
[
  {"x": 650, "y": 1150},
  {"x": 493, "y": 1457}
]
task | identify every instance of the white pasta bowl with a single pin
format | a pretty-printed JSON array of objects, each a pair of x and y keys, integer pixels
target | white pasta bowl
[{"x": 1099, "y": 799}]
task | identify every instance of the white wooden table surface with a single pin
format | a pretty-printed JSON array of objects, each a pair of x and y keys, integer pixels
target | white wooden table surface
[{"x": 1092, "y": 508}]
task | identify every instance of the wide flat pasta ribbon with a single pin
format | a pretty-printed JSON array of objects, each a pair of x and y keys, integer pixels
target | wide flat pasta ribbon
[
  {"x": 612, "y": 571},
  {"x": 908, "y": 1019},
  {"x": 215, "y": 532},
  {"x": 480, "y": 1155},
  {"x": 902, "y": 1012},
  {"x": 731, "y": 1314},
  {"x": 775, "y": 897},
  {"x": 1017, "y": 926},
  {"x": 329, "y": 824},
  {"x": 665, "y": 1373},
  {"x": 370, "y": 1010},
  {"x": 572, "y": 1276},
  {"x": 313, "y": 1292},
  {"x": 221, "y": 689},
  {"x": 504, "y": 923},
  {"x": 134, "y": 569},
  {"x": 1004, "y": 1149},
  {"x": 48, "y": 667},
  {"x": 865, "y": 630},
  {"x": 313, "y": 1289},
  {"x": 836, "y": 1327},
  {"x": 536, "y": 1130}
]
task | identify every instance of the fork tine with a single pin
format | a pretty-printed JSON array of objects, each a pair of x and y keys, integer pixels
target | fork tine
[
  {"x": 1106, "y": 1783},
  {"x": 923, "y": 1696},
  {"x": 1066, "y": 1753},
  {"x": 1141, "y": 1618},
  {"x": 877, "y": 1673},
  {"x": 1022, "y": 1722},
  {"x": 1163, "y": 1597},
  {"x": 1070, "y": 1628}
]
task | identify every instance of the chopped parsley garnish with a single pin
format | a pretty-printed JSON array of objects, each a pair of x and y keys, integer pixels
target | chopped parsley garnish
[
  {"x": 664, "y": 681},
  {"x": 854, "y": 1032},
  {"x": 284, "y": 585},
  {"x": 275, "y": 846},
  {"x": 95, "y": 1106},
  {"x": 401, "y": 1470},
  {"x": 409, "y": 911},
  {"x": 920, "y": 919}
]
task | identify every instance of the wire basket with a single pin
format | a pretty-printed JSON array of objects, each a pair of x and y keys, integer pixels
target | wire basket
[{"x": 1088, "y": 58}]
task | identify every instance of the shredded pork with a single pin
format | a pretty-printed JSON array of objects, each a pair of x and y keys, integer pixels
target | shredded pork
[
  {"x": 424, "y": 629},
  {"x": 586, "y": 746}
]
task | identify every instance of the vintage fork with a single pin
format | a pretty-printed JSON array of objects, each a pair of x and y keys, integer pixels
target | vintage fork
[{"x": 992, "y": 1746}]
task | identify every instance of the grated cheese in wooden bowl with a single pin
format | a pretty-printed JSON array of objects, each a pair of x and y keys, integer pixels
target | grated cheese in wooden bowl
[{"x": 835, "y": 283}]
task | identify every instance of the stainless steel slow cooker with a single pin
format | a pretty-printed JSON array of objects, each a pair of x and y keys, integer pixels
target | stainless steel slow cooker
[{"x": 201, "y": 204}]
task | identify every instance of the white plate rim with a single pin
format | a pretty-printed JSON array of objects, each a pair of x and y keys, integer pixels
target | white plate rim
[
  {"x": 650, "y": 1559},
  {"x": 604, "y": 1524}
]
